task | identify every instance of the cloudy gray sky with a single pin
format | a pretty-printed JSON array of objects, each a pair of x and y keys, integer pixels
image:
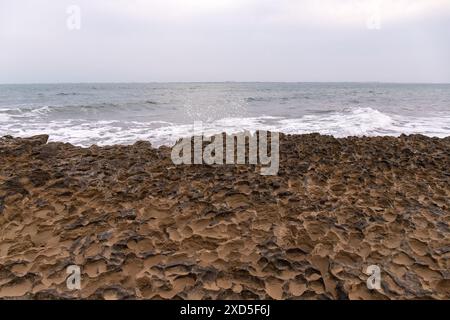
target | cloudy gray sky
[{"x": 225, "y": 40}]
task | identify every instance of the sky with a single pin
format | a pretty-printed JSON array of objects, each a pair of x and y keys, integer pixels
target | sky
[{"x": 48, "y": 41}]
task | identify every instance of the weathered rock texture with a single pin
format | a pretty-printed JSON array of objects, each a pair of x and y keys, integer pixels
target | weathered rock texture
[{"x": 141, "y": 227}]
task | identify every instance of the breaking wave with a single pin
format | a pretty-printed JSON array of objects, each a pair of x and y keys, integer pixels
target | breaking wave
[{"x": 352, "y": 122}]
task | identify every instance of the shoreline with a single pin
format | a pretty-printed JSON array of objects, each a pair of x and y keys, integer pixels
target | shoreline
[
  {"x": 170, "y": 145},
  {"x": 141, "y": 227}
]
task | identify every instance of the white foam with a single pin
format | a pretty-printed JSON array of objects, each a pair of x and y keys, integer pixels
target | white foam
[
  {"x": 357, "y": 122},
  {"x": 4, "y": 117},
  {"x": 360, "y": 121},
  {"x": 40, "y": 111}
]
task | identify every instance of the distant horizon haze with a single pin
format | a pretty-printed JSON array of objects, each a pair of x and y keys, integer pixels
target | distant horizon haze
[{"x": 222, "y": 82}]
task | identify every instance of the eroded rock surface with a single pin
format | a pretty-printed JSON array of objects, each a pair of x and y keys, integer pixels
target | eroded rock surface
[{"x": 141, "y": 227}]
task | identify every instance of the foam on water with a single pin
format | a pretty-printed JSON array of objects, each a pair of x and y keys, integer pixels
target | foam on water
[
  {"x": 4, "y": 117},
  {"x": 360, "y": 121},
  {"x": 357, "y": 122},
  {"x": 107, "y": 114}
]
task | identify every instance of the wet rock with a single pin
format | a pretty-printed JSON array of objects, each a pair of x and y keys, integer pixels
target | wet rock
[{"x": 36, "y": 140}]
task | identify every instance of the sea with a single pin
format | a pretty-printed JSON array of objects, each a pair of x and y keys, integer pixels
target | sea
[{"x": 123, "y": 113}]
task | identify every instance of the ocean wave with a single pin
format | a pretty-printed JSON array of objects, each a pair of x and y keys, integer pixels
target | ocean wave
[
  {"x": 351, "y": 122},
  {"x": 67, "y": 94},
  {"x": 359, "y": 121},
  {"x": 33, "y": 111},
  {"x": 258, "y": 99},
  {"x": 4, "y": 117}
]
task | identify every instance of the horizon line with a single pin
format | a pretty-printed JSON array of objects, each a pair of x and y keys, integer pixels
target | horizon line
[{"x": 225, "y": 81}]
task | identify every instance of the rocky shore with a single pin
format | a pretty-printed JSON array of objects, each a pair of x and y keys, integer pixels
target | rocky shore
[{"x": 141, "y": 227}]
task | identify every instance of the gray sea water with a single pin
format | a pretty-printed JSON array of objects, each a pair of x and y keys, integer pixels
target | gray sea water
[{"x": 104, "y": 114}]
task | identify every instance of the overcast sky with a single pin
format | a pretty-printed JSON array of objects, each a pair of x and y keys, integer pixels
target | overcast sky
[{"x": 224, "y": 40}]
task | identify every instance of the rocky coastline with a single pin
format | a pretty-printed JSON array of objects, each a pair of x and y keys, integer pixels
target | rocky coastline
[{"x": 141, "y": 227}]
